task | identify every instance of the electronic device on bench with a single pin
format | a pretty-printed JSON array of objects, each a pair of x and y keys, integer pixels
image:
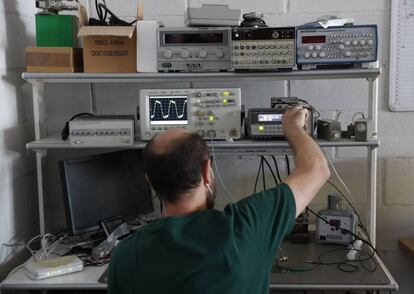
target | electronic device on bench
[
  {"x": 338, "y": 222},
  {"x": 101, "y": 130},
  {"x": 212, "y": 113},
  {"x": 194, "y": 49},
  {"x": 355, "y": 46},
  {"x": 261, "y": 48},
  {"x": 266, "y": 123},
  {"x": 48, "y": 268},
  {"x": 104, "y": 186}
]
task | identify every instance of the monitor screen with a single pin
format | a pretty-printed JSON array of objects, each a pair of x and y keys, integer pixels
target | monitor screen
[
  {"x": 103, "y": 186},
  {"x": 168, "y": 110}
]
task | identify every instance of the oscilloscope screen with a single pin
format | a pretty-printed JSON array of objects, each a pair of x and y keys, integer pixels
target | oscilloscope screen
[{"x": 168, "y": 110}]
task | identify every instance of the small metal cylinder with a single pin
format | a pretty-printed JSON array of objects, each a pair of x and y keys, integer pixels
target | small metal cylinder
[{"x": 334, "y": 202}]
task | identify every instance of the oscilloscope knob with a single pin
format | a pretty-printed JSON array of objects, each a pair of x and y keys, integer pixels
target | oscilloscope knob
[
  {"x": 203, "y": 53},
  {"x": 184, "y": 54},
  {"x": 220, "y": 53},
  {"x": 168, "y": 54},
  {"x": 201, "y": 133},
  {"x": 211, "y": 133}
]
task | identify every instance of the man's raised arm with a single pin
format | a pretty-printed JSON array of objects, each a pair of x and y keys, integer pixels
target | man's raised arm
[{"x": 311, "y": 169}]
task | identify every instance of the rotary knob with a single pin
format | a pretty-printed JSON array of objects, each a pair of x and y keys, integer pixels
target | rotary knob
[
  {"x": 342, "y": 47},
  {"x": 220, "y": 53},
  {"x": 347, "y": 53},
  {"x": 322, "y": 54},
  {"x": 347, "y": 43},
  {"x": 168, "y": 54},
  {"x": 361, "y": 128},
  {"x": 370, "y": 42},
  {"x": 275, "y": 35},
  {"x": 318, "y": 47},
  {"x": 362, "y": 42},
  {"x": 184, "y": 54},
  {"x": 307, "y": 55},
  {"x": 354, "y": 42},
  {"x": 203, "y": 53},
  {"x": 310, "y": 47},
  {"x": 314, "y": 54}
]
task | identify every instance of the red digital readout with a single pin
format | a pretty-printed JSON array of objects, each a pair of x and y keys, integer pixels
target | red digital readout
[{"x": 313, "y": 39}]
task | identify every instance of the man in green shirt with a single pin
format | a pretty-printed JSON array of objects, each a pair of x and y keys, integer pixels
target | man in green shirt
[{"x": 196, "y": 249}]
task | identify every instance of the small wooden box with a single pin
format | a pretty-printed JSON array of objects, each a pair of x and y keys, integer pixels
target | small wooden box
[{"x": 54, "y": 59}]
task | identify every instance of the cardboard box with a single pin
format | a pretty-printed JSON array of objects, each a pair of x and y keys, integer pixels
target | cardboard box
[
  {"x": 56, "y": 30},
  {"x": 110, "y": 49},
  {"x": 53, "y": 59}
]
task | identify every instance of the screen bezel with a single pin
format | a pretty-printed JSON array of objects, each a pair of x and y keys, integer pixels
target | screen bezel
[
  {"x": 166, "y": 123},
  {"x": 68, "y": 205}
]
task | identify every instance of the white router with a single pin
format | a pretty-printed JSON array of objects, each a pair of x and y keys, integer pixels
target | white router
[{"x": 42, "y": 269}]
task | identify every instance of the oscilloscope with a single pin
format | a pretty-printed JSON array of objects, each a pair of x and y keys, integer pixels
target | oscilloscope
[{"x": 212, "y": 113}]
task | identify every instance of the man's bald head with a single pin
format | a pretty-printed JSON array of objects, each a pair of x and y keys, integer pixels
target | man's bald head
[
  {"x": 164, "y": 142},
  {"x": 173, "y": 162}
]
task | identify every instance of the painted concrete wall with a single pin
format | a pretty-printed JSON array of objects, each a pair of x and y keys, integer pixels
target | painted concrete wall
[
  {"x": 396, "y": 156},
  {"x": 18, "y": 197}
]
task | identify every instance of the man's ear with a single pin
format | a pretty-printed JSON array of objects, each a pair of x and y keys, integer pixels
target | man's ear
[{"x": 206, "y": 172}]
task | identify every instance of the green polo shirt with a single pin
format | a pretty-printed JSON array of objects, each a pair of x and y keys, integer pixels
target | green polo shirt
[{"x": 211, "y": 251}]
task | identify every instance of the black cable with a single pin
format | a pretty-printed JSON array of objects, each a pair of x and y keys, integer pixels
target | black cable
[
  {"x": 113, "y": 19},
  {"x": 257, "y": 176},
  {"x": 263, "y": 175},
  {"x": 277, "y": 168},
  {"x": 287, "y": 165},
  {"x": 345, "y": 265},
  {"x": 345, "y": 231},
  {"x": 271, "y": 170}
]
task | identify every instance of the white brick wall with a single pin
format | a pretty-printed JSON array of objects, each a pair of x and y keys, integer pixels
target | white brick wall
[{"x": 18, "y": 200}]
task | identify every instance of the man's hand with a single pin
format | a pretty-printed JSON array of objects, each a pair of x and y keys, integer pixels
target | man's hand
[{"x": 293, "y": 119}]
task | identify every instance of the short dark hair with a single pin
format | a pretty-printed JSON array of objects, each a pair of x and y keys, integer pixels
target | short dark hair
[{"x": 178, "y": 170}]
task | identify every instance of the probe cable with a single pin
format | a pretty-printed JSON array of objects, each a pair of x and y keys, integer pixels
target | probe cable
[
  {"x": 218, "y": 173},
  {"x": 257, "y": 176},
  {"x": 271, "y": 170},
  {"x": 277, "y": 168}
]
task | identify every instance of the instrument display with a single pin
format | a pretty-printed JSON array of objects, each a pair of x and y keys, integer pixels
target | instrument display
[{"x": 212, "y": 113}]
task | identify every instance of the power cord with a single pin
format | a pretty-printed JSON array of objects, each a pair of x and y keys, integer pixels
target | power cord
[
  {"x": 342, "y": 265},
  {"x": 102, "y": 11},
  {"x": 360, "y": 221}
]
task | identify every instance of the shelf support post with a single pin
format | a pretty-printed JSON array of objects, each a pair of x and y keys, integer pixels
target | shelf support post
[
  {"x": 39, "y": 113},
  {"x": 372, "y": 159}
]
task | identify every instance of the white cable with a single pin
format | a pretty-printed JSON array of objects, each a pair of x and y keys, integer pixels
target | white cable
[
  {"x": 339, "y": 178},
  {"x": 218, "y": 173}
]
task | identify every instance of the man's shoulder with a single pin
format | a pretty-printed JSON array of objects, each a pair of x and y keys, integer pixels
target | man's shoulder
[{"x": 281, "y": 191}]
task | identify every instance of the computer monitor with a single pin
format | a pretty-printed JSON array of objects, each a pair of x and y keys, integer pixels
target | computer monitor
[{"x": 104, "y": 186}]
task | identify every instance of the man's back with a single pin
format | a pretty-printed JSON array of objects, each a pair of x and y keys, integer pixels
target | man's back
[{"x": 207, "y": 251}]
